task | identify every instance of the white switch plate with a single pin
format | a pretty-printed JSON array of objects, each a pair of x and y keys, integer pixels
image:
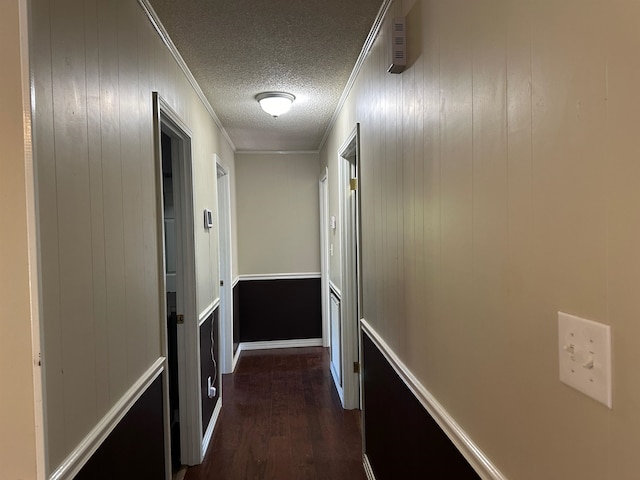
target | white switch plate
[{"x": 585, "y": 356}]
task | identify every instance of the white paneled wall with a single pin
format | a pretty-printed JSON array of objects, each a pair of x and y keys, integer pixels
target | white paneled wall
[
  {"x": 499, "y": 185},
  {"x": 95, "y": 66}
]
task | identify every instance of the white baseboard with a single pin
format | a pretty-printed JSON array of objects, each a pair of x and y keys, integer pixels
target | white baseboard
[
  {"x": 280, "y": 276},
  {"x": 212, "y": 424},
  {"x": 302, "y": 342},
  {"x": 80, "y": 455},
  {"x": 476, "y": 457},
  {"x": 367, "y": 467}
]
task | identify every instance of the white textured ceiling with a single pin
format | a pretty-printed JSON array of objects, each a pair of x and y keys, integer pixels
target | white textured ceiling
[{"x": 239, "y": 48}]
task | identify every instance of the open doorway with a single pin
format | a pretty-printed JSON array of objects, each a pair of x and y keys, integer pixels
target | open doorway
[
  {"x": 180, "y": 322},
  {"x": 170, "y": 262}
]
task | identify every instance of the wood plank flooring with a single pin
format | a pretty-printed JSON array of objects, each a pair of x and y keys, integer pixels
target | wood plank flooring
[{"x": 281, "y": 419}]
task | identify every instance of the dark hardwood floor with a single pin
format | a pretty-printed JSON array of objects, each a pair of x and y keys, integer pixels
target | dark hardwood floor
[{"x": 281, "y": 419}]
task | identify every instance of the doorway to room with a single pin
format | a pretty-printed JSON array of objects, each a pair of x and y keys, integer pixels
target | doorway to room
[
  {"x": 348, "y": 309},
  {"x": 170, "y": 262},
  {"x": 177, "y": 249}
]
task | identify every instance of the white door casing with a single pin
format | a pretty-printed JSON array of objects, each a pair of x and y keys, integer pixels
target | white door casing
[
  {"x": 225, "y": 259},
  {"x": 167, "y": 120},
  {"x": 348, "y": 157}
]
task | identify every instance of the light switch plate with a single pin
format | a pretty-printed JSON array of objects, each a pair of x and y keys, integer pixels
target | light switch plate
[{"x": 584, "y": 348}]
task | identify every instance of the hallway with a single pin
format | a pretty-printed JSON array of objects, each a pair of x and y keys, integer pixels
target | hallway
[{"x": 282, "y": 419}]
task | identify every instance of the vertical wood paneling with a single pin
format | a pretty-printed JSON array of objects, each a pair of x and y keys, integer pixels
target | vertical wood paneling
[
  {"x": 568, "y": 84},
  {"x": 416, "y": 219},
  {"x": 94, "y": 141},
  {"x": 488, "y": 324},
  {"x": 95, "y": 65},
  {"x": 520, "y": 245},
  {"x": 456, "y": 177},
  {"x": 408, "y": 106},
  {"x": 48, "y": 228},
  {"x": 113, "y": 198},
  {"x": 623, "y": 229},
  {"x": 149, "y": 214},
  {"x": 130, "y": 129},
  {"x": 429, "y": 307},
  {"x": 392, "y": 163},
  {"x": 377, "y": 311},
  {"x": 527, "y": 204},
  {"x": 74, "y": 220}
]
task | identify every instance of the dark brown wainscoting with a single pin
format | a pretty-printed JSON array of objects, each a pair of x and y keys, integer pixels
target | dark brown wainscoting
[
  {"x": 209, "y": 366},
  {"x": 401, "y": 439},
  {"x": 284, "y": 309},
  {"x": 135, "y": 448},
  {"x": 282, "y": 420},
  {"x": 236, "y": 317}
]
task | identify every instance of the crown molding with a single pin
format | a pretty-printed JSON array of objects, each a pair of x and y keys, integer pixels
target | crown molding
[
  {"x": 364, "y": 53},
  {"x": 164, "y": 36}
]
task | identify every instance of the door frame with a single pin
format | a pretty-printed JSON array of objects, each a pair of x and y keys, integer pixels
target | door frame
[
  {"x": 323, "y": 192},
  {"x": 225, "y": 260},
  {"x": 168, "y": 121},
  {"x": 350, "y": 304}
]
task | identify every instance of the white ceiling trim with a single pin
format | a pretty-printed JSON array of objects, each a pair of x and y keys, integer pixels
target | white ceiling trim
[
  {"x": 373, "y": 33},
  {"x": 164, "y": 36},
  {"x": 277, "y": 152}
]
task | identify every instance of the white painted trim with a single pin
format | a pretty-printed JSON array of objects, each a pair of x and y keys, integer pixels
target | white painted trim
[
  {"x": 162, "y": 291},
  {"x": 267, "y": 345},
  {"x": 277, "y": 152},
  {"x": 225, "y": 264},
  {"x": 208, "y": 311},
  {"x": 476, "y": 457},
  {"x": 348, "y": 201},
  {"x": 280, "y": 276},
  {"x": 164, "y": 36},
  {"x": 235, "y": 282},
  {"x": 212, "y": 424},
  {"x": 167, "y": 120},
  {"x": 335, "y": 289},
  {"x": 364, "y": 53},
  {"x": 323, "y": 203},
  {"x": 221, "y": 168},
  {"x": 88, "y": 446},
  {"x": 367, "y": 467},
  {"x": 236, "y": 357}
]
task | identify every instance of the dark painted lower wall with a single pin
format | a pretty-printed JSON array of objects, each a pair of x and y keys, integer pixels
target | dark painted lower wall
[
  {"x": 401, "y": 439},
  {"x": 236, "y": 317},
  {"x": 284, "y": 309},
  {"x": 209, "y": 362},
  {"x": 135, "y": 448}
]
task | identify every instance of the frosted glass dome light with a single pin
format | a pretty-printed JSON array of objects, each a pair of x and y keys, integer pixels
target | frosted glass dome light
[{"x": 275, "y": 103}]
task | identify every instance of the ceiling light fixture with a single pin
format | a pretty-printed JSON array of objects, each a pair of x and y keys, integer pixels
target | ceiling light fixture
[{"x": 275, "y": 103}]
